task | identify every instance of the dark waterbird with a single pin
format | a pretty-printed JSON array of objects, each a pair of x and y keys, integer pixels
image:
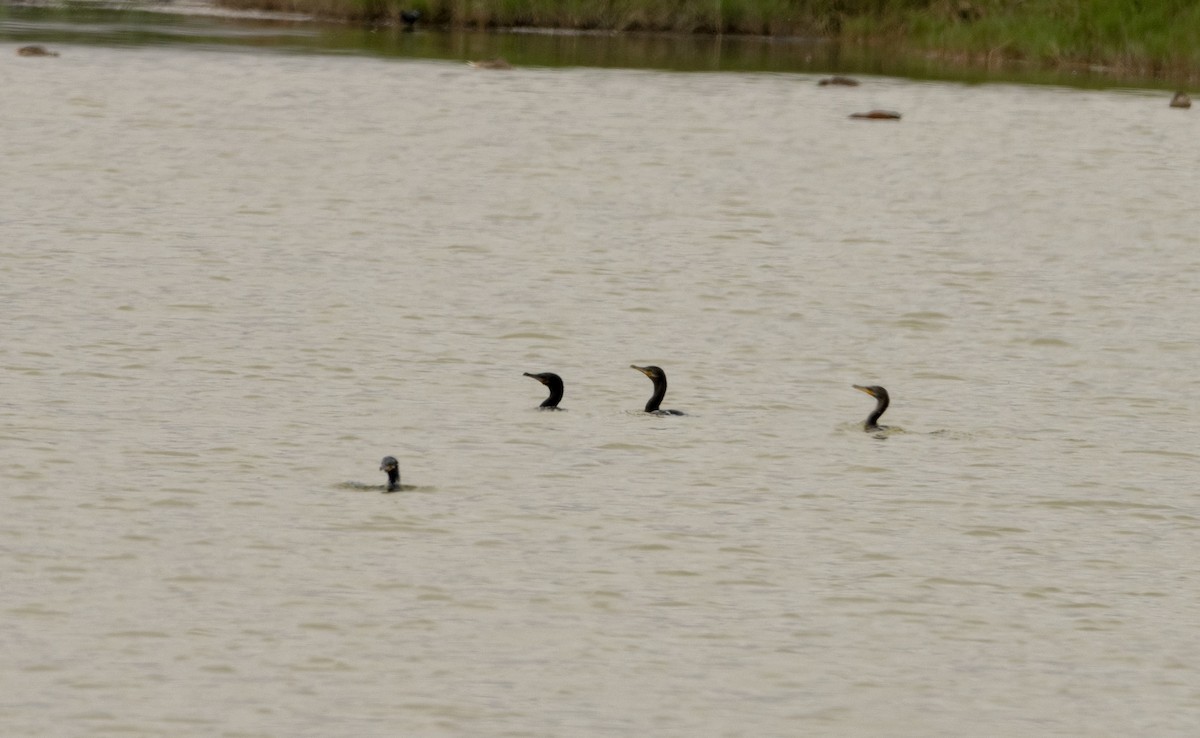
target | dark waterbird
[
  {"x": 838, "y": 81},
  {"x": 555, "y": 384},
  {"x": 659, "y": 377},
  {"x": 877, "y": 115},
  {"x": 881, "y": 403},
  {"x": 392, "y": 467},
  {"x": 409, "y": 18}
]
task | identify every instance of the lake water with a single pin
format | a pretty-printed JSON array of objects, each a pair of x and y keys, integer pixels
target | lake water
[{"x": 233, "y": 279}]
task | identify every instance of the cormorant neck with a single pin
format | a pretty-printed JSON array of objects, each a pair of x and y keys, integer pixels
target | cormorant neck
[
  {"x": 660, "y": 391},
  {"x": 393, "y": 479},
  {"x": 556, "y": 394},
  {"x": 881, "y": 404}
]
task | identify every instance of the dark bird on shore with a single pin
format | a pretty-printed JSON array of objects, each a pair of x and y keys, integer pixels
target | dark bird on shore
[
  {"x": 659, "y": 377},
  {"x": 838, "y": 80},
  {"x": 555, "y": 384},
  {"x": 1181, "y": 100},
  {"x": 881, "y": 403},
  {"x": 392, "y": 467},
  {"x": 877, "y": 115},
  {"x": 409, "y": 18}
]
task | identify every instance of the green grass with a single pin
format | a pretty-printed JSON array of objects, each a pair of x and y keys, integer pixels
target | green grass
[{"x": 1149, "y": 37}]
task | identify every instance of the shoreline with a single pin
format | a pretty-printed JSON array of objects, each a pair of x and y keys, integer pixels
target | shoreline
[{"x": 1158, "y": 44}]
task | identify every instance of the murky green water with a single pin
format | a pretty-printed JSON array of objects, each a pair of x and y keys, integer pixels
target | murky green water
[{"x": 232, "y": 280}]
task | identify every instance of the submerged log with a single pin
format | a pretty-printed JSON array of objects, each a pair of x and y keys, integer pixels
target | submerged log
[
  {"x": 35, "y": 51},
  {"x": 877, "y": 115}
]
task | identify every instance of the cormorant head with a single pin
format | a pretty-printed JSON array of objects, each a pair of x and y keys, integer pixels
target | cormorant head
[
  {"x": 392, "y": 467},
  {"x": 659, "y": 377},
  {"x": 554, "y": 383},
  {"x": 874, "y": 390},
  {"x": 550, "y": 379},
  {"x": 881, "y": 405},
  {"x": 655, "y": 373}
]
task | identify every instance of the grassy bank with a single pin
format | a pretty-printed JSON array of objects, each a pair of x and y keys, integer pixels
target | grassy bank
[{"x": 1153, "y": 38}]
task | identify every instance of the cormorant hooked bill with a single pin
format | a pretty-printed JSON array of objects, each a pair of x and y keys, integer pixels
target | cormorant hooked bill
[
  {"x": 659, "y": 377},
  {"x": 881, "y": 403},
  {"x": 555, "y": 383},
  {"x": 392, "y": 467}
]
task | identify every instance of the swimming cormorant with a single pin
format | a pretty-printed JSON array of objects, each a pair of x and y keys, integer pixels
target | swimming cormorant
[
  {"x": 555, "y": 383},
  {"x": 881, "y": 404},
  {"x": 392, "y": 467},
  {"x": 659, "y": 377}
]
